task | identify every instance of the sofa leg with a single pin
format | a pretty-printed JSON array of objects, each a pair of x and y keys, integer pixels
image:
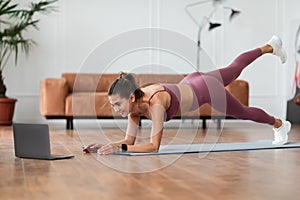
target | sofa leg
[
  {"x": 219, "y": 124},
  {"x": 203, "y": 123},
  {"x": 69, "y": 124}
]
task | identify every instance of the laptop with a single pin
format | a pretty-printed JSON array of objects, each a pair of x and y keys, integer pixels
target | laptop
[{"x": 33, "y": 141}]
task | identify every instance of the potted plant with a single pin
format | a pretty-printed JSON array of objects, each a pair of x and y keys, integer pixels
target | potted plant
[{"x": 14, "y": 21}]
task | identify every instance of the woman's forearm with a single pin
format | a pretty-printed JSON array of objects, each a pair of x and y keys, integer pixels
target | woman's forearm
[
  {"x": 142, "y": 148},
  {"x": 129, "y": 140},
  {"x": 124, "y": 141}
]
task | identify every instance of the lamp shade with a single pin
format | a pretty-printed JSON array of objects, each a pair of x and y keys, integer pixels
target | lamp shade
[
  {"x": 234, "y": 13},
  {"x": 213, "y": 25}
]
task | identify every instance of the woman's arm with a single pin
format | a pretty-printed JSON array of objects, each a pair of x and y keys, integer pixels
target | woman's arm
[
  {"x": 157, "y": 112},
  {"x": 131, "y": 132},
  {"x": 132, "y": 129},
  {"x": 157, "y": 115}
]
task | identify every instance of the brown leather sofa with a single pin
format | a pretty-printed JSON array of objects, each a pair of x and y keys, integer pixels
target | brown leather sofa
[{"x": 84, "y": 96}]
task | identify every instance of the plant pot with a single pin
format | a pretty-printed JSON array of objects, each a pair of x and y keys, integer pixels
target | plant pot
[{"x": 7, "y": 107}]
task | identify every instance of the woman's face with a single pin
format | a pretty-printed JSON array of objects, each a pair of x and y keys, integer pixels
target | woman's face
[{"x": 120, "y": 105}]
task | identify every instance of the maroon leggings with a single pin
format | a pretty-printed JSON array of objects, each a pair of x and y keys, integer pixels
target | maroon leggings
[{"x": 209, "y": 88}]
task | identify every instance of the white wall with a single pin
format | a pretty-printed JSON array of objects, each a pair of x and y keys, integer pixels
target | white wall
[{"x": 87, "y": 36}]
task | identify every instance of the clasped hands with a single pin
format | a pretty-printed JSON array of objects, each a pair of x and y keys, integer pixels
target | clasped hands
[{"x": 102, "y": 149}]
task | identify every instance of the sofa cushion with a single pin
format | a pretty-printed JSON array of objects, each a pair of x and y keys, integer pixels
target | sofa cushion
[
  {"x": 85, "y": 82},
  {"x": 87, "y": 104}
]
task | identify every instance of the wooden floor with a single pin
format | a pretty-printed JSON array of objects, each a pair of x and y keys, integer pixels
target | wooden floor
[{"x": 263, "y": 174}]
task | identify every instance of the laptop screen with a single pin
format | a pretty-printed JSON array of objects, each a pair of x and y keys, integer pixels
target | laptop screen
[{"x": 31, "y": 140}]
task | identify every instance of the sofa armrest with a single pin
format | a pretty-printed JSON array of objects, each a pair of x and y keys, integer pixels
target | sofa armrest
[
  {"x": 53, "y": 92},
  {"x": 240, "y": 89}
]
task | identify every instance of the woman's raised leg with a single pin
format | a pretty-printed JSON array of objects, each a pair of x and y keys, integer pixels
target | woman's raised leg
[{"x": 227, "y": 74}]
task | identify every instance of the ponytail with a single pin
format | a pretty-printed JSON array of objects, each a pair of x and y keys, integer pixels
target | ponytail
[{"x": 124, "y": 86}]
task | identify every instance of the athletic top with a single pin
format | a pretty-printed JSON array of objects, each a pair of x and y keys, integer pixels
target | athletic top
[
  {"x": 173, "y": 90},
  {"x": 155, "y": 94}
]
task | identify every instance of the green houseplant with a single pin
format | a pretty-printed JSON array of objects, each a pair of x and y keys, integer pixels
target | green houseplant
[{"x": 14, "y": 22}]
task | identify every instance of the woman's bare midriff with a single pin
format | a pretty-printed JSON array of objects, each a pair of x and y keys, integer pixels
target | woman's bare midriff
[
  {"x": 186, "y": 94},
  {"x": 187, "y": 98}
]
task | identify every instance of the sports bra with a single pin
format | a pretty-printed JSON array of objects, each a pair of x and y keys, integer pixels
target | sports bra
[{"x": 173, "y": 91}]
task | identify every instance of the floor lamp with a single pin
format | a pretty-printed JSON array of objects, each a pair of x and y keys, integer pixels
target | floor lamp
[{"x": 206, "y": 20}]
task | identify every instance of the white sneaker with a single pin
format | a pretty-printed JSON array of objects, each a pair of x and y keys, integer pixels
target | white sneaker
[
  {"x": 276, "y": 43},
  {"x": 281, "y": 133}
]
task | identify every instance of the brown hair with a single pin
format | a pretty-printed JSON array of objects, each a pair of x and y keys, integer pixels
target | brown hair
[{"x": 124, "y": 86}]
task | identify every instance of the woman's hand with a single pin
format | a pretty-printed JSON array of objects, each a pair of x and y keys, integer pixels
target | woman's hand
[
  {"x": 109, "y": 149},
  {"x": 92, "y": 148}
]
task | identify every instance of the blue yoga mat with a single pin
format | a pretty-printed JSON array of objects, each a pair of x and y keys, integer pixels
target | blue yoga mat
[{"x": 219, "y": 147}]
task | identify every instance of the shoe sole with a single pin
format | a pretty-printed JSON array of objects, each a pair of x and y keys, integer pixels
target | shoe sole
[{"x": 284, "y": 55}]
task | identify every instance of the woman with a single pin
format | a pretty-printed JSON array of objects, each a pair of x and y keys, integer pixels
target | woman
[{"x": 160, "y": 102}]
